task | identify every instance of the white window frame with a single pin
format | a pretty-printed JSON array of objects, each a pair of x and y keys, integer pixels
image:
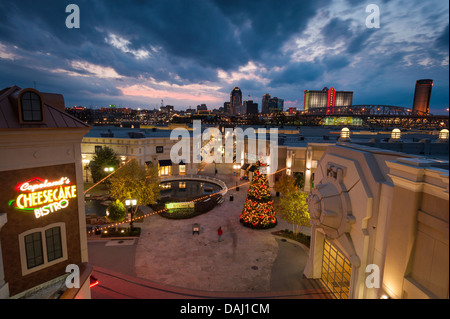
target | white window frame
[{"x": 23, "y": 255}]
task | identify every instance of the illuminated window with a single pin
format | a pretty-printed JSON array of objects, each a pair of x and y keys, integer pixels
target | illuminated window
[
  {"x": 182, "y": 169},
  {"x": 336, "y": 271},
  {"x": 182, "y": 185},
  {"x": 31, "y": 107},
  {"x": 165, "y": 170}
]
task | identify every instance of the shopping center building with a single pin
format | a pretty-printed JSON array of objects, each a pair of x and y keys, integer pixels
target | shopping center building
[
  {"x": 379, "y": 224},
  {"x": 378, "y": 201}
]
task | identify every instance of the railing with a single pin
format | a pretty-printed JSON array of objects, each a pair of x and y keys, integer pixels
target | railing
[{"x": 198, "y": 178}]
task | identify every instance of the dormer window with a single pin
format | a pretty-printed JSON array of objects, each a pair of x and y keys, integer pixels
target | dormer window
[{"x": 31, "y": 107}]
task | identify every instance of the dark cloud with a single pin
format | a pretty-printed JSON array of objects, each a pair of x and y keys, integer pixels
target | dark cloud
[
  {"x": 297, "y": 73},
  {"x": 442, "y": 41},
  {"x": 333, "y": 63},
  {"x": 187, "y": 42},
  {"x": 337, "y": 29}
]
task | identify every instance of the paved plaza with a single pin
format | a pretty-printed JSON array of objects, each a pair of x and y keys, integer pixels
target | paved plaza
[{"x": 245, "y": 262}]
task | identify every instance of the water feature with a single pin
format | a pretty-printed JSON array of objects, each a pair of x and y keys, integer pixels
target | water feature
[
  {"x": 187, "y": 188},
  {"x": 94, "y": 206}
]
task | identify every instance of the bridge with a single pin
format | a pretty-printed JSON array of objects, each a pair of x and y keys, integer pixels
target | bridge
[{"x": 376, "y": 116}]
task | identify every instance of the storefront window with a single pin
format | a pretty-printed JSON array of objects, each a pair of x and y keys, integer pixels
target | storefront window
[
  {"x": 182, "y": 169},
  {"x": 165, "y": 170}
]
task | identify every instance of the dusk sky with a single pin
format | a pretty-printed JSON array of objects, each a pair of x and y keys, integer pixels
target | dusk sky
[{"x": 137, "y": 53}]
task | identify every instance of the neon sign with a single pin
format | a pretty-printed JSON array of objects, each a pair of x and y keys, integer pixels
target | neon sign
[
  {"x": 331, "y": 100},
  {"x": 44, "y": 196}
]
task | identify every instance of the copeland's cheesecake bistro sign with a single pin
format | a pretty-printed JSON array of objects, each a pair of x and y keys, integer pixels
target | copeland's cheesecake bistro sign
[{"x": 44, "y": 196}]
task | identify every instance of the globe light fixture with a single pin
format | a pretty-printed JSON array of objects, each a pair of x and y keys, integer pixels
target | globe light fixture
[
  {"x": 443, "y": 135},
  {"x": 345, "y": 135},
  {"x": 396, "y": 134}
]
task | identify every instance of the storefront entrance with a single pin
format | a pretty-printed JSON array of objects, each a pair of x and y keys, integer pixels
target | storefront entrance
[{"x": 336, "y": 271}]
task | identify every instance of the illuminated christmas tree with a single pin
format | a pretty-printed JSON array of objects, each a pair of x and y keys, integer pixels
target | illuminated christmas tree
[{"x": 258, "y": 207}]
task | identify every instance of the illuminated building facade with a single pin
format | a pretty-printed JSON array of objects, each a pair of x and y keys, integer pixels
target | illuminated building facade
[
  {"x": 42, "y": 216},
  {"x": 236, "y": 101},
  {"x": 276, "y": 105},
  {"x": 379, "y": 224},
  {"x": 422, "y": 95},
  {"x": 146, "y": 145},
  {"x": 329, "y": 98}
]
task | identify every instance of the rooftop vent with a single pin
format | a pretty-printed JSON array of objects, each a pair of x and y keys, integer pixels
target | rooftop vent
[{"x": 136, "y": 135}]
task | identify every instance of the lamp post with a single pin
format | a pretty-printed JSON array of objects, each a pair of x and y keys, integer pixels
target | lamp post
[
  {"x": 236, "y": 167},
  {"x": 131, "y": 203}
]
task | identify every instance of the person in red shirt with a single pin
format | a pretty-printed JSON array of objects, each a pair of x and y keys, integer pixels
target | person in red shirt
[{"x": 219, "y": 233}]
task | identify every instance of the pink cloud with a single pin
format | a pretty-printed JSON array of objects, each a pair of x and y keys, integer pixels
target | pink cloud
[{"x": 145, "y": 91}]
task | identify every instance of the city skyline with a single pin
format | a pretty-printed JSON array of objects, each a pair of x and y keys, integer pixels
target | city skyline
[{"x": 187, "y": 54}]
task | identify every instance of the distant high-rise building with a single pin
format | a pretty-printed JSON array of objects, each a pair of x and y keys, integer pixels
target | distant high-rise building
[
  {"x": 226, "y": 107},
  {"x": 329, "y": 98},
  {"x": 422, "y": 96},
  {"x": 276, "y": 105},
  {"x": 265, "y": 104},
  {"x": 250, "y": 107},
  {"x": 236, "y": 101}
]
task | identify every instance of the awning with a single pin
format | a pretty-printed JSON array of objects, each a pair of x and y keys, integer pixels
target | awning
[
  {"x": 245, "y": 166},
  {"x": 165, "y": 162},
  {"x": 252, "y": 168}
]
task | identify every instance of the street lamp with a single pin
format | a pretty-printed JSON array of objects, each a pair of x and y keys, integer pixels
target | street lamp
[
  {"x": 131, "y": 203},
  {"x": 236, "y": 167}
]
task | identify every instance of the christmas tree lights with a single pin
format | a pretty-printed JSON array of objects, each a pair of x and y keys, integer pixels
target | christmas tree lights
[{"x": 258, "y": 209}]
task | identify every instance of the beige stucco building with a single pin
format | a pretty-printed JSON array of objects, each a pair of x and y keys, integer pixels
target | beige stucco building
[
  {"x": 146, "y": 145},
  {"x": 379, "y": 224}
]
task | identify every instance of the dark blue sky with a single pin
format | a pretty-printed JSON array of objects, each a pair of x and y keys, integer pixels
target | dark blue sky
[{"x": 137, "y": 53}]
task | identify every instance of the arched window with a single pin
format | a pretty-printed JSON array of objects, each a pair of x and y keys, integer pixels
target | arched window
[{"x": 31, "y": 107}]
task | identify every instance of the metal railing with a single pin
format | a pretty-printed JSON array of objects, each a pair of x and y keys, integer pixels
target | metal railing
[{"x": 197, "y": 178}]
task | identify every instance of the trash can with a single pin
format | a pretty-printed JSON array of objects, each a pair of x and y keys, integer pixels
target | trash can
[
  {"x": 196, "y": 229},
  {"x": 231, "y": 198}
]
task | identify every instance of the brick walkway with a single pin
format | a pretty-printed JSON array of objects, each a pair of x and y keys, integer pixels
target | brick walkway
[{"x": 169, "y": 254}]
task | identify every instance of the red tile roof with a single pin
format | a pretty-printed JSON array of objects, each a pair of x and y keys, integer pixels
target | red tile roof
[{"x": 55, "y": 117}]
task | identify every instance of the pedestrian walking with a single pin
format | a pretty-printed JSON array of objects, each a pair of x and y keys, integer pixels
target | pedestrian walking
[{"x": 219, "y": 234}]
